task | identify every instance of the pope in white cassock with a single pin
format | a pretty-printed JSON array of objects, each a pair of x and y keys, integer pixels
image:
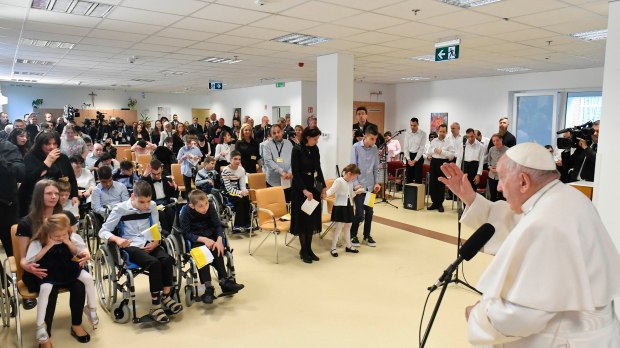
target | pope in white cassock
[{"x": 555, "y": 272}]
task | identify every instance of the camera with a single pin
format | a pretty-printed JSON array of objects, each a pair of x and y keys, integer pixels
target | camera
[
  {"x": 583, "y": 131},
  {"x": 70, "y": 113}
]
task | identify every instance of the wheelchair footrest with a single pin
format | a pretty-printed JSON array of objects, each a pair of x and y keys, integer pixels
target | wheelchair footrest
[{"x": 148, "y": 319}]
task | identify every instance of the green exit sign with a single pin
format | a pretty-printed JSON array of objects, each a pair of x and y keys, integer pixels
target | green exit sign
[
  {"x": 446, "y": 53},
  {"x": 279, "y": 84}
]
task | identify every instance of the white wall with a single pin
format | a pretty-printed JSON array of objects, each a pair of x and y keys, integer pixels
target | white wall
[
  {"x": 257, "y": 101},
  {"x": 20, "y": 100},
  {"x": 479, "y": 102},
  {"x": 308, "y": 99}
]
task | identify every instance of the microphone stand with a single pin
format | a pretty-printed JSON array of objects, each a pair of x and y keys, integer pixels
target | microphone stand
[
  {"x": 460, "y": 210},
  {"x": 385, "y": 173},
  {"x": 444, "y": 286}
]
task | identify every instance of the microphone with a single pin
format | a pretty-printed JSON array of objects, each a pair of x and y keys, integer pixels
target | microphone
[
  {"x": 400, "y": 131},
  {"x": 467, "y": 252},
  {"x": 464, "y": 140}
]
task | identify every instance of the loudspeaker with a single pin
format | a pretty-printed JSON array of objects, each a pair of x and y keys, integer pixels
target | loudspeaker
[{"x": 414, "y": 196}]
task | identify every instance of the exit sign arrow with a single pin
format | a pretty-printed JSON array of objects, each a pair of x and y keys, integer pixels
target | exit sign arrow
[{"x": 446, "y": 53}]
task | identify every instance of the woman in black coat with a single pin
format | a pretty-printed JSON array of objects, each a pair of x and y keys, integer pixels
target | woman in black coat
[
  {"x": 249, "y": 149},
  {"x": 308, "y": 183},
  {"x": 44, "y": 161}
]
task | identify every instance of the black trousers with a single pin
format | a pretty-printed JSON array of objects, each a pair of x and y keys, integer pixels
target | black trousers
[
  {"x": 187, "y": 181},
  {"x": 494, "y": 195},
  {"x": 77, "y": 296},
  {"x": 471, "y": 169},
  {"x": 242, "y": 210},
  {"x": 158, "y": 263},
  {"x": 437, "y": 189},
  {"x": 414, "y": 173},
  {"x": 362, "y": 213},
  {"x": 9, "y": 214},
  {"x": 218, "y": 263}
]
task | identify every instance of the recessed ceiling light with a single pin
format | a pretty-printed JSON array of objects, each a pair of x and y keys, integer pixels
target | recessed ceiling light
[
  {"x": 169, "y": 72},
  {"x": 425, "y": 58},
  {"x": 301, "y": 39},
  {"x": 513, "y": 69},
  {"x": 33, "y": 61},
  {"x": 28, "y": 73},
  {"x": 77, "y": 7},
  {"x": 591, "y": 35},
  {"x": 142, "y": 80},
  {"x": 468, "y": 3},
  {"x": 415, "y": 78},
  {"x": 221, "y": 60},
  {"x": 46, "y": 43},
  {"x": 22, "y": 80}
]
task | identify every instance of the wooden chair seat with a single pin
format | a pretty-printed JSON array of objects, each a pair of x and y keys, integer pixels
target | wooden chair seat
[{"x": 281, "y": 226}]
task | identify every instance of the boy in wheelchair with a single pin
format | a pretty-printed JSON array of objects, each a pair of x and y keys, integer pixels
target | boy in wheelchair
[
  {"x": 234, "y": 179},
  {"x": 126, "y": 175},
  {"x": 201, "y": 225},
  {"x": 149, "y": 255},
  {"x": 107, "y": 193}
]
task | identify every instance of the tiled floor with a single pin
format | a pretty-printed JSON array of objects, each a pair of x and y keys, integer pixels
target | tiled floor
[{"x": 372, "y": 299}]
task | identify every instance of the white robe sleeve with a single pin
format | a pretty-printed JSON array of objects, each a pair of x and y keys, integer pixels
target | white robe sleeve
[
  {"x": 493, "y": 321},
  {"x": 497, "y": 214}
]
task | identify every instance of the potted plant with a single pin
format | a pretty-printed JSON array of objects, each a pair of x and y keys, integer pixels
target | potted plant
[
  {"x": 132, "y": 103},
  {"x": 36, "y": 103}
]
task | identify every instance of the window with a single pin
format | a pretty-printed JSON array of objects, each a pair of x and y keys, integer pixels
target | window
[{"x": 582, "y": 107}]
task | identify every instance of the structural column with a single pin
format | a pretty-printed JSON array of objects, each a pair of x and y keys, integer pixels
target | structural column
[{"x": 334, "y": 110}]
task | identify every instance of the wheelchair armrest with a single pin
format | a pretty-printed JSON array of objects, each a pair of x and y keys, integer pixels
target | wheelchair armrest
[{"x": 115, "y": 252}]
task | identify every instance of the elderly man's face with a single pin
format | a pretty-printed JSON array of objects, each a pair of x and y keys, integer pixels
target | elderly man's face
[
  {"x": 4, "y": 117},
  {"x": 595, "y": 134},
  {"x": 221, "y": 122},
  {"x": 455, "y": 129},
  {"x": 512, "y": 186},
  {"x": 97, "y": 150}
]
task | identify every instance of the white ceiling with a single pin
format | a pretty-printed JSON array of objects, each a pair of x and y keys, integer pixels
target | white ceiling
[{"x": 381, "y": 34}]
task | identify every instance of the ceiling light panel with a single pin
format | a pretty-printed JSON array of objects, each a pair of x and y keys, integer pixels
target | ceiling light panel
[
  {"x": 514, "y": 69},
  {"x": 415, "y": 78},
  {"x": 591, "y": 35},
  {"x": 468, "y": 3},
  {"x": 77, "y": 7},
  {"x": 221, "y": 60},
  {"x": 425, "y": 58},
  {"x": 46, "y": 43},
  {"x": 33, "y": 61},
  {"x": 301, "y": 39},
  {"x": 29, "y": 73}
]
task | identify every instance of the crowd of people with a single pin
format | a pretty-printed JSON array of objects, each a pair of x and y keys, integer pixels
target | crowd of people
[{"x": 56, "y": 171}]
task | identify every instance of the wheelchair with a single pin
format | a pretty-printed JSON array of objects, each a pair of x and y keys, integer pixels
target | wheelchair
[
  {"x": 114, "y": 278},
  {"x": 226, "y": 212},
  {"x": 185, "y": 264},
  {"x": 90, "y": 226}
]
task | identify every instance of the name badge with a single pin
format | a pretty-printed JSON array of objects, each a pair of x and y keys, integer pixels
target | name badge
[
  {"x": 253, "y": 158},
  {"x": 280, "y": 160}
]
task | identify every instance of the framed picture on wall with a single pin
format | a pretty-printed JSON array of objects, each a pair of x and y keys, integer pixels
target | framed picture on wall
[
  {"x": 164, "y": 111},
  {"x": 437, "y": 119},
  {"x": 237, "y": 114}
]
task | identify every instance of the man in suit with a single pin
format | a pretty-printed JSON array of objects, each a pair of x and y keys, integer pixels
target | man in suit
[
  {"x": 262, "y": 131},
  {"x": 195, "y": 128}
]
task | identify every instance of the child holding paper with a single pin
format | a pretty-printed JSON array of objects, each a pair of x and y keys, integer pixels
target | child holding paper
[
  {"x": 144, "y": 252},
  {"x": 366, "y": 156},
  {"x": 342, "y": 214},
  {"x": 54, "y": 250},
  {"x": 201, "y": 225}
]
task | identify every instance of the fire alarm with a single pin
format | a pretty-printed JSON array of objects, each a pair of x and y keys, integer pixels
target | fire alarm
[{"x": 300, "y": 64}]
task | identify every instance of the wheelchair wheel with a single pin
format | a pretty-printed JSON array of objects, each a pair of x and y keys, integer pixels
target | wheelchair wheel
[
  {"x": 230, "y": 265},
  {"x": 105, "y": 280},
  {"x": 189, "y": 296},
  {"x": 121, "y": 312},
  {"x": 91, "y": 233}
]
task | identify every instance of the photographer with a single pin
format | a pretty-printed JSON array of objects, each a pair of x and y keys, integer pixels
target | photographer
[{"x": 581, "y": 163}]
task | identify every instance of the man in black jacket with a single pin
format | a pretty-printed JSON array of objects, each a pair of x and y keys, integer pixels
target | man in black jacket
[
  {"x": 262, "y": 131},
  {"x": 581, "y": 163},
  {"x": 195, "y": 128},
  {"x": 164, "y": 190},
  {"x": 11, "y": 172}
]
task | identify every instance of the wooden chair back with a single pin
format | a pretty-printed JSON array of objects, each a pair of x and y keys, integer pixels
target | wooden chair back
[{"x": 271, "y": 198}]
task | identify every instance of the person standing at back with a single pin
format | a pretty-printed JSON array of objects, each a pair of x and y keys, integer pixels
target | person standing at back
[
  {"x": 440, "y": 151},
  {"x": 365, "y": 155},
  {"x": 508, "y": 139},
  {"x": 414, "y": 151},
  {"x": 277, "y": 158}
]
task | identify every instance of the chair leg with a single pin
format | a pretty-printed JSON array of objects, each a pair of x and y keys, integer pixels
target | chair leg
[
  {"x": 18, "y": 323},
  {"x": 276, "y": 245},
  {"x": 331, "y": 225},
  {"x": 263, "y": 241},
  {"x": 287, "y": 243}
]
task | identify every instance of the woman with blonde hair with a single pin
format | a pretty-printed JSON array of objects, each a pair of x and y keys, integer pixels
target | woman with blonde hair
[{"x": 249, "y": 149}]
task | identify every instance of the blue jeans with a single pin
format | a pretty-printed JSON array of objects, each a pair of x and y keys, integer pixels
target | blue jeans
[{"x": 362, "y": 213}]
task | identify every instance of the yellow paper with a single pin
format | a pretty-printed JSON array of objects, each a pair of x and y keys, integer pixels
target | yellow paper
[
  {"x": 152, "y": 233},
  {"x": 369, "y": 201},
  {"x": 202, "y": 256},
  {"x": 286, "y": 217}
]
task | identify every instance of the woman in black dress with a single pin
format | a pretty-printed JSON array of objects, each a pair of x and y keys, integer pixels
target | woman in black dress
[
  {"x": 249, "y": 149},
  {"x": 177, "y": 138},
  {"x": 308, "y": 183},
  {"x": 45, "y": 161}
]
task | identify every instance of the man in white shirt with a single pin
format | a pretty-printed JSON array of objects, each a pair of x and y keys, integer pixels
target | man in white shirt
[
  {"x": 485, "y": 142},
  {"x": 93, "y": 156},
  {"x": 414, "y": 150},
  {"x": 474, "y": 158},
  {"x": 457, "y": 140},
  {"x": 441, "y": 150}
]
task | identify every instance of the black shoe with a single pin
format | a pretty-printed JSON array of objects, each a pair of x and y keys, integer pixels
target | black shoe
[
  {"x": 355, "y": 242},
  {"x": 81, "y": 339},
  {"x": 440, "y": 209},
  {"x": 313, "y": 257},
  {"x": 209, "y": 295},
  {"x": 29, "y": 304},
  {"x": 334, "y": 253},
  {"x": 432, "y": 207},
  {"x": 351, "y": 250},
  {"x": 230, "y": 287}
]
